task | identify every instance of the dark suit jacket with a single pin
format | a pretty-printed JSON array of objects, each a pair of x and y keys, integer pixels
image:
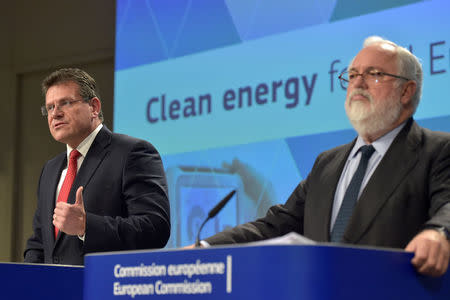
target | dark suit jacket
[
  {"x": 409, "y": 189},
  {"x": 125, "y": 198}
]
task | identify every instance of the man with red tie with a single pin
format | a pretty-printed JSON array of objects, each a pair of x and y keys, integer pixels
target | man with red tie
[{"x": 107, "y": 192}]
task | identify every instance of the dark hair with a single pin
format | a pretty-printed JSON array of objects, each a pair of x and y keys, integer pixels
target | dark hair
[{"x": 88, "y": 87}]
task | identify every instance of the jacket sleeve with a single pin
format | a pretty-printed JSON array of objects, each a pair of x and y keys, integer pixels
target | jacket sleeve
[
  {"x": 146, "y": 223},
  {"x": 279, "y": 220},
  {"x": 34, "y": 251},
  {"x": 439, "y": 192}
]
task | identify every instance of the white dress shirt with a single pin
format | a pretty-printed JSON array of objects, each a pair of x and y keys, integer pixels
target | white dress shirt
[
  {"x": 381, "y": 146},
  {"x": 83, "y": 148}
]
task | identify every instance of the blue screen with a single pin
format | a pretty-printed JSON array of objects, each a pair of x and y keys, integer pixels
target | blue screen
[
  {"x": 252, "y": 88},
  {"x": 195, "y": 203}
]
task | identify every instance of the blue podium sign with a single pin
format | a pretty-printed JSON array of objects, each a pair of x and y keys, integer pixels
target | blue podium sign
[
  {"x": 260, "y": 272},
  {"x": 35, "y": 281}
]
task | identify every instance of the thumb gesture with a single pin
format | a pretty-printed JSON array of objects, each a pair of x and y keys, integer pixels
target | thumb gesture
[
  {"x": 79, "y": 197},
  {"x": 71, "y": 218}
]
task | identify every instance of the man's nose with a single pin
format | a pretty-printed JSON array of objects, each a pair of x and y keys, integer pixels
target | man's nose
[
  {"x": 360, "y": 81},
  {"x": 56, "y": 112}
]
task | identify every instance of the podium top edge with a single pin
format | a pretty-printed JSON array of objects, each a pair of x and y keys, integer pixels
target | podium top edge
[
  {"x": 38, "y": 264},
  {"x": 250, "y": 245}
]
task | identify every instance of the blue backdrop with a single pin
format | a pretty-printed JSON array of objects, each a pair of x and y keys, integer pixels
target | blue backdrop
[{"x": 244, "y": 94}]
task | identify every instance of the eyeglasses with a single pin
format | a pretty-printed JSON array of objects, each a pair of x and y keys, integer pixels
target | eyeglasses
[
  {"x": 63, "y": 105},
  {"x": 371, "y": 76}
]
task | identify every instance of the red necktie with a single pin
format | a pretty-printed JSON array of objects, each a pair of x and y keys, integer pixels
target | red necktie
[{"x": 68, "y": 180}]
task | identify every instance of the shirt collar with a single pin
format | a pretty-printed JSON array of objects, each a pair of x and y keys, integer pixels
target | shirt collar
[
  {"x": 381, "y": 145},
  {"x": 84, "y": 146}
]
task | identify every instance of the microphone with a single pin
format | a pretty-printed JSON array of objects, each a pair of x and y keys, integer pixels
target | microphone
[{"x": 212, "y": 213}]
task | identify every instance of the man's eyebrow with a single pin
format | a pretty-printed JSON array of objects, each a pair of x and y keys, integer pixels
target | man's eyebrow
[
  {"x": 365, "y": 70},
  {"x": 60, "y": 100}
]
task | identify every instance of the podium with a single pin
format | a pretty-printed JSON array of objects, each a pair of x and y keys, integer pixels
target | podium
[
  {"x": 281, "y": 272},
  {"x": 34, "y": 281}
]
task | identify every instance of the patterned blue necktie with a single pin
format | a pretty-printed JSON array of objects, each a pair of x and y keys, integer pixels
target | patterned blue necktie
[{"x": 351, "y": 195}]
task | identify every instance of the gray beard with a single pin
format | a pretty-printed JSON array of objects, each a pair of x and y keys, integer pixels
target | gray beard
[{"x": 370, "y": 119}]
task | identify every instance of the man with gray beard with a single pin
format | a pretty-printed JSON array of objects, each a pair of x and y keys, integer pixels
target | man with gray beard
[{"x": 390, "y": 187}]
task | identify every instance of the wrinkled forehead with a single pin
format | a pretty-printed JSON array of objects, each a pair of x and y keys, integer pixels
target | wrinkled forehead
[
  {"x": 381, "y": 56},
  {"x": 66, "y": 90}
]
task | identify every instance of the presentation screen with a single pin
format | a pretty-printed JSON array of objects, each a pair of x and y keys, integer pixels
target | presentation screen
[{"x": 244, "y": 94}]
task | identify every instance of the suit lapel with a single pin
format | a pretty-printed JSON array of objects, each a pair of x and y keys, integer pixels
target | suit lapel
[
  {"x": 321, "y": 207},
  {"x": 400, "y": 157},
  {"x": 50, "y": 192},
  {"x": 91, "y": 162},
  {"x": 94, "y": 157}
]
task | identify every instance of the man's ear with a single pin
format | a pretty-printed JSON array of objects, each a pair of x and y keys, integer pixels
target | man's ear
[
  {"x": 408, "y": 90},
  {"x": 96, "y": 105}
]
